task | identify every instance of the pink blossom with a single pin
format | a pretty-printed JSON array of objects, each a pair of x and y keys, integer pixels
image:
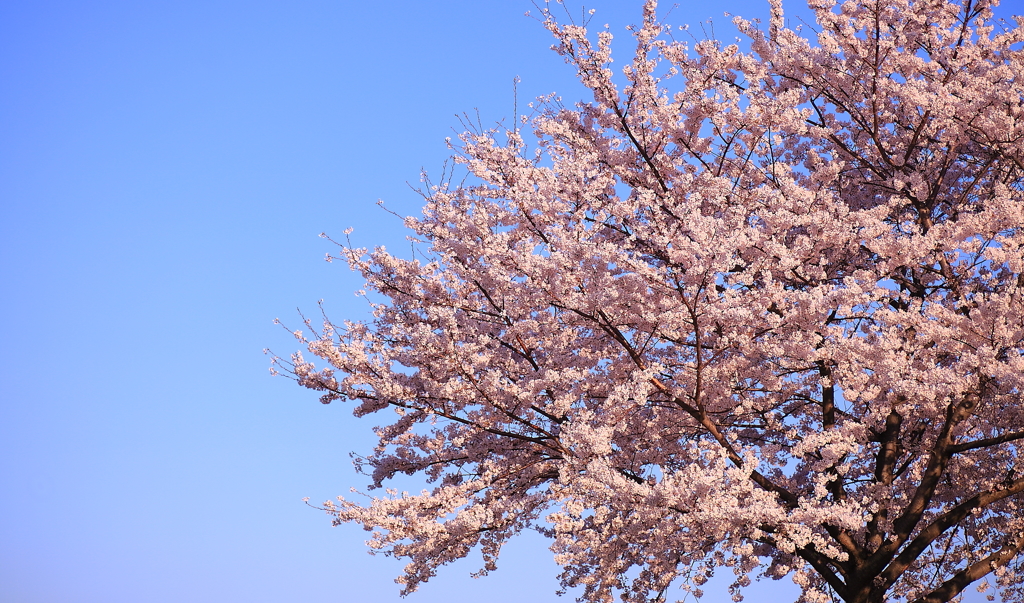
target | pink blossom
[{"x": 759, "y": 310}]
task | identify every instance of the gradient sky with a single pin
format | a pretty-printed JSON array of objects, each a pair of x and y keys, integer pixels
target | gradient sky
[{"x": 165, "y": 169}]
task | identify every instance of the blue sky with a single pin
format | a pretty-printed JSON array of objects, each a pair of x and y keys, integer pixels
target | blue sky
[{"x": 165, "y": 169}]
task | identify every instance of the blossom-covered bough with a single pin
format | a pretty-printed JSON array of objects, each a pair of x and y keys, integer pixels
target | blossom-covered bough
[{"x": 761, "y": 310}]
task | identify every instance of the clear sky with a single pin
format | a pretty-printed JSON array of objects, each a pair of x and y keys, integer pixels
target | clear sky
[{"x": 165, "y": 169}]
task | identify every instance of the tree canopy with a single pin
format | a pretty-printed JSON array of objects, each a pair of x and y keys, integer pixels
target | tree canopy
[{"x": 756, "y": 308}]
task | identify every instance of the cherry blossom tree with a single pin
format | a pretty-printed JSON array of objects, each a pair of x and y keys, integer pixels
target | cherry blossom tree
[{"x": 759, "y": 309}]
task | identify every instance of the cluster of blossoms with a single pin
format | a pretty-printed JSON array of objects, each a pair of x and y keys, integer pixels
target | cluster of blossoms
[{"x": 757, "y": 309}]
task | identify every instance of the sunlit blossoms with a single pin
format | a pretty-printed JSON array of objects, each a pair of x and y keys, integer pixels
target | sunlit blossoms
[{"x": 760, "y": 311}]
